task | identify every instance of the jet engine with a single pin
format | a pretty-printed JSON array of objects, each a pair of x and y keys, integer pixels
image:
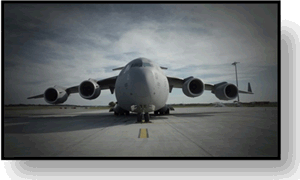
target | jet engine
[
  {"x": 89, "y": 89},
  {"x": 225, "y": 91},
  {"x": 193, "y": 87},
  {"x": 55, "y": 95}
]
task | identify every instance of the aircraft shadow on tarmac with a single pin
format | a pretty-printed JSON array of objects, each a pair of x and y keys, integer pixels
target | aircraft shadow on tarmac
[
  {"x": 82, "y": 122},
  {"x": 196, "y": 114}
]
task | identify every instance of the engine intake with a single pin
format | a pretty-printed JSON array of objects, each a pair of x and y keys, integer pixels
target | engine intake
[
  {"x": 226, "y": 91},
  {"x": 89, "y": 89},
  {"x": 55, "y": 95},
  {"x": 193, "y": 87}
]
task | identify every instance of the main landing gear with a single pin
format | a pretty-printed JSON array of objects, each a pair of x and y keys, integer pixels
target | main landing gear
[
  {"x": 140, "y": 117},
  {"x": 147, "y": 118},
  {"x": 123, "y": 113},
  {"x": 162, "y": 112}
]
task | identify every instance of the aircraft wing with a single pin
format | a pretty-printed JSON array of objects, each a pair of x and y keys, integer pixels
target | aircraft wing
[
  {"x": 175, "y": 82},
  {"x": 36, "y": 97},
  {"x": 108, "y": 83},
  {"x": 211, "y": 87}
]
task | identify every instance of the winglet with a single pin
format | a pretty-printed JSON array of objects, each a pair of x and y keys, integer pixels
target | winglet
[
  {"x": 249, "y": 87},
  {"x": 249, "y": 90}
]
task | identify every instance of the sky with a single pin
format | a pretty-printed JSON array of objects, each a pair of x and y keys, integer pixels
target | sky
[{"x": 65, "y": 44}]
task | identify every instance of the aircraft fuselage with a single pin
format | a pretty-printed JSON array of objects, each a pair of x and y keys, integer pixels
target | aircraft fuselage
[{"x": 143, "y": 85}]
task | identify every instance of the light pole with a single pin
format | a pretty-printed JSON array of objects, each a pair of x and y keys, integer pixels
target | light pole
[{"x": 237, "y": 85}]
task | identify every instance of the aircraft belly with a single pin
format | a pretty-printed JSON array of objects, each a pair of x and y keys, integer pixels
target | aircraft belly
[{"x": 158, "y": 100}]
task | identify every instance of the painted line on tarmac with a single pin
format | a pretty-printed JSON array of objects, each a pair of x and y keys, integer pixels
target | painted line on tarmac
[{"x": 143, "y": 133}]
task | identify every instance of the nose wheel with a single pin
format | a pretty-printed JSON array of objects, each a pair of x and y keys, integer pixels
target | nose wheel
[
  {"x": 147, "y": 118},
  {"x": 140, "y": 117}
]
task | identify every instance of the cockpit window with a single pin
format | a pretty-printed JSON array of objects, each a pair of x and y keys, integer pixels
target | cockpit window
[
  {"x": 126, "y": 68},
  {"x": 140, "y": 63},
  {"x": 147, "y": 65},
  {"x": 137, "y": 64}
]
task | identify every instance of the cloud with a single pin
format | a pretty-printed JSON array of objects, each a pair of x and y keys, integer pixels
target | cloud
[{"x": 66, "y": 44}]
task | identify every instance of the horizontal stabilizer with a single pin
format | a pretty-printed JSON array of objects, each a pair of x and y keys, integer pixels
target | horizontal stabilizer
[
  {"x": 163, "y": 67},
  {"x": 119, "y": 68}
]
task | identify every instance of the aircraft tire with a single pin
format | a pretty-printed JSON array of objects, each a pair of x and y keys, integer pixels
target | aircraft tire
[
  {"x": 139, "y": 117},
  {"x": 156, "y": 112},
  {"x": 168, "y": 111},
  {"x": 147, "y": 117}
]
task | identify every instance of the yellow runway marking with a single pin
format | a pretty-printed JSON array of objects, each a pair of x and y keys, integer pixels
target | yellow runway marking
[{"x": 143, "y": 133}]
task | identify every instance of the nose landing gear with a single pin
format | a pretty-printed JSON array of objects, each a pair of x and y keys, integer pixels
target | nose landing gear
[
  {"x": 147, "y": 118},
  {"x": 140, "y": 116}
]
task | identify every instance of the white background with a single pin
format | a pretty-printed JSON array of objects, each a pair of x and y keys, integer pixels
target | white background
[{"x": 288, "y": 11}]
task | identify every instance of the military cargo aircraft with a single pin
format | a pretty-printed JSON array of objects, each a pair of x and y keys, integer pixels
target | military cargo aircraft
[{"x": 141, "y": 87}]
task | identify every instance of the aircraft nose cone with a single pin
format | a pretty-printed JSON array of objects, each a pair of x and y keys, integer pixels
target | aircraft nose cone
[{"x": 142, "y": 83}]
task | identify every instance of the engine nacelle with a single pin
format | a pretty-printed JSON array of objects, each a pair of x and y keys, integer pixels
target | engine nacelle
[
  {"x": 55, "y": 95},
  {"x": 193, "y": 87},
  {"x": 89, "y": 89},
  {"x": 226, "y": 91}
]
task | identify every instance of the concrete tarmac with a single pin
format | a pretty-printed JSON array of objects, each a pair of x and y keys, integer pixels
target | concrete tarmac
[{"x": 186, "y": 132}]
